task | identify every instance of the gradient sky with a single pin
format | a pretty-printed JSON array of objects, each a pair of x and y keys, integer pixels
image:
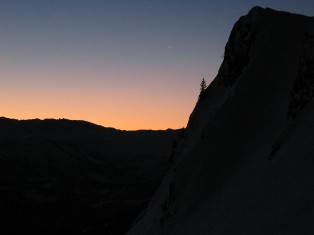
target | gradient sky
[{"x": 128, "y": 64}]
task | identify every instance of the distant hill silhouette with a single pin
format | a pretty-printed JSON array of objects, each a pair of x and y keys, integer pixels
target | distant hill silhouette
[
  {"x": 74, "y": 177},
  {"x": 246, "y": 164}
]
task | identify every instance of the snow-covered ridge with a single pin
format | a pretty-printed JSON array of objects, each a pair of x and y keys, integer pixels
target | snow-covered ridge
[{"x": 223, "y": 179}]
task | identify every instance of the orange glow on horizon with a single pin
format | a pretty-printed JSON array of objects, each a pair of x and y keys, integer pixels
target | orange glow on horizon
[
  {"x": 123, "y": 120},
  {"x": 155, "y": 104}
]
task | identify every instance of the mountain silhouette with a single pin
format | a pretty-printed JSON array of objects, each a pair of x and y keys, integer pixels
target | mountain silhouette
[
  {"x": 62, "y": 176},
  {"x": 246, "y": 163}
]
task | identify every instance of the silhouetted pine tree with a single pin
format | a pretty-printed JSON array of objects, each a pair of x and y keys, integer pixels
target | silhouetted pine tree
[{"x": 202, "y": 89}]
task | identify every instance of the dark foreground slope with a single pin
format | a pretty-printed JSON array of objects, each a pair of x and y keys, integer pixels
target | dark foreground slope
[
  {"x": 246, "y": 165},
  {"x": 61, "y": 176}
]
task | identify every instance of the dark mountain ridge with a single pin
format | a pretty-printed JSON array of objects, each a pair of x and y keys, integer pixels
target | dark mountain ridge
[{"x": 61, "y": 176}]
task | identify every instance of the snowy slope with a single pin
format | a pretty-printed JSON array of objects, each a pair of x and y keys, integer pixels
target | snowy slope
[{"x": 245, "y": 165}]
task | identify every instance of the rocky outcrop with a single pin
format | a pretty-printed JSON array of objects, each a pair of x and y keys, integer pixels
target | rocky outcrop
[
  {"x": 303, "y": 89},
  {"x": 238, "y": 48}
]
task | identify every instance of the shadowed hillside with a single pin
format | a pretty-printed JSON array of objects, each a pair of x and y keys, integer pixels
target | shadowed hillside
[{"x": 61, "y": 176}]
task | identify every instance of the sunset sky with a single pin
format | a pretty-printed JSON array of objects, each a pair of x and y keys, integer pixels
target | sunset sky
[{"x": 128, "y": 64}]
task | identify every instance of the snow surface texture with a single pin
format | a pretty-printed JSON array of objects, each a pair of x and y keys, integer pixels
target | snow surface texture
[{"x": 245, "y": 163}]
